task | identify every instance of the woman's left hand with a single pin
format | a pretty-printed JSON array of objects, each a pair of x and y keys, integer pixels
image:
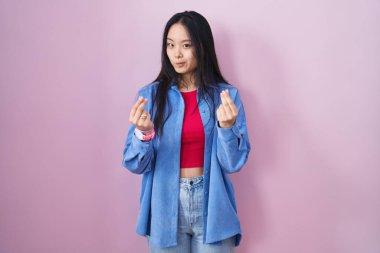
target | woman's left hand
[{"x": 227, "y": 111}]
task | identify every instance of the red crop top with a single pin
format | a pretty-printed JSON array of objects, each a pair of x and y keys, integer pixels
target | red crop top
[{"x": 193, "y": 137}]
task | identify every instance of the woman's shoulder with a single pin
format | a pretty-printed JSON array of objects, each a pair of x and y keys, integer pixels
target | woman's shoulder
[{"x": 148, "y": 88}]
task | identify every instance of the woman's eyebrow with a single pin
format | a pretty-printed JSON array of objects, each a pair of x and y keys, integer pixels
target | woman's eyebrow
[{"x": 181, "y": 41}]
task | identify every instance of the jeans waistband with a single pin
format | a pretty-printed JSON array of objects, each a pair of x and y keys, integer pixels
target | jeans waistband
[{"x": 191, "y": 181}]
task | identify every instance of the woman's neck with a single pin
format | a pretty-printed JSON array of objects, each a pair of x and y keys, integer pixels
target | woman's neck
[
  {"x": 186, "y": 84},
  {"x": 187, "y": 89}
]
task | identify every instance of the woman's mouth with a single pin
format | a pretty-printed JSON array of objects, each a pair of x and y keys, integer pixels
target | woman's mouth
[{"x": 179, "y": 65}]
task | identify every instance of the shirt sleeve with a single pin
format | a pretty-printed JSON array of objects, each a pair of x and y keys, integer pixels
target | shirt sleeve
[
  {"x": 233, "y": 146},
  {"x": 138, "y": 155}
]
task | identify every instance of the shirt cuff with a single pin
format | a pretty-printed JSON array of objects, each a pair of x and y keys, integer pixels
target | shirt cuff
[
  {"x": 139, "y": 144},
  {"x": 228, "y": 133}
]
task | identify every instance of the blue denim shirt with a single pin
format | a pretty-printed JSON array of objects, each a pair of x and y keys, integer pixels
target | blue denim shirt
[{"x": 158, "y": 160}]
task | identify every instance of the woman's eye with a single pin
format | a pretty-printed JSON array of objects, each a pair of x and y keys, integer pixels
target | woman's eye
[
  {"x": 169, "y": 44},
  {"x": 187, "y": 45}
]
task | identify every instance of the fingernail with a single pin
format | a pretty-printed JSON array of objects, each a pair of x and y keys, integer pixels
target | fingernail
[{"x": 140, "y": 97}]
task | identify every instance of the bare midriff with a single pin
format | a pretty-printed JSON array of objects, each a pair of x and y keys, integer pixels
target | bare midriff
[{"x": 191, "y": 172}]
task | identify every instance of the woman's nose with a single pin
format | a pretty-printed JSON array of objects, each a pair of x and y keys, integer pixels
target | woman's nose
[{"x": 178, "y": 53}]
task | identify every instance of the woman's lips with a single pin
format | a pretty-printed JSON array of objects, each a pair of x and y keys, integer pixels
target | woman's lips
[{"x": 180, "y": 64}]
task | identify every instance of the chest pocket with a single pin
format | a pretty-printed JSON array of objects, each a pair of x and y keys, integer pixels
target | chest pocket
[{"x": 208, "y": 117}]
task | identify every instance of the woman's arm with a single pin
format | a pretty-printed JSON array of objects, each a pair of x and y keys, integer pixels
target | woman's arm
[
  {"x": 233, "y": 144},
  {"x": 138, "y": 155}
]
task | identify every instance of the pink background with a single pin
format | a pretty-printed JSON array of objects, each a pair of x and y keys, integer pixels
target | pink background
[{"x": 309, "y": 76}]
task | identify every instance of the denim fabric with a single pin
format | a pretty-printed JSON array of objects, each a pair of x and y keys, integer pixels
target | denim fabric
[
  {"x": 190, "y": 223},
  {"x": 158, "y": 161}
]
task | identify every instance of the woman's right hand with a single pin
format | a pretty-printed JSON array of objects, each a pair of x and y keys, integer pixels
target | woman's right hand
[{"x": 143, "y": 124}]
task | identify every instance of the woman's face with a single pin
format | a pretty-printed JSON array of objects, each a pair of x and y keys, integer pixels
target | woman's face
[{"x": 180, "y": 51}]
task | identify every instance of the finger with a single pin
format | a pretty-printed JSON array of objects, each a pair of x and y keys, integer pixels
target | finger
[
  {"x": 221, "y": 113},
  {"x": 147, "y": 113},
  {"x": 139, "y": 110},
  {"x": 145, "y": 124},
  {"x": 229, "y": 100},
  {"x": 149, "y": 120},
  {"x": 230, "y": 103},
  {"x": 143, "y": 121},
  {"x": 134, "y": 108},
  {"x": 225, "y": 104}
]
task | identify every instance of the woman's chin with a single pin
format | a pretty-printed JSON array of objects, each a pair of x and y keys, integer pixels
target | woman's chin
[{"x": 180, "y": 71}]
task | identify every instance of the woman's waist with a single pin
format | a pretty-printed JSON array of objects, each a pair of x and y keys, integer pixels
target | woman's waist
[
  {"x": 191, "y": 172},
  {"x": 196, "y": 181}
]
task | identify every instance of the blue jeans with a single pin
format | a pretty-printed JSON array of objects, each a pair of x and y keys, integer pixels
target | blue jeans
[{"x": 190, "y": 223}]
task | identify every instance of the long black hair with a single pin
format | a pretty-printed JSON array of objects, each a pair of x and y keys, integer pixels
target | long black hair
[{"x": 207, "y": 73}]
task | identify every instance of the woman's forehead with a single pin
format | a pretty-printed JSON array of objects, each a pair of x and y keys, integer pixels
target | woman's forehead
[{"x": 178, "y": 33}]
